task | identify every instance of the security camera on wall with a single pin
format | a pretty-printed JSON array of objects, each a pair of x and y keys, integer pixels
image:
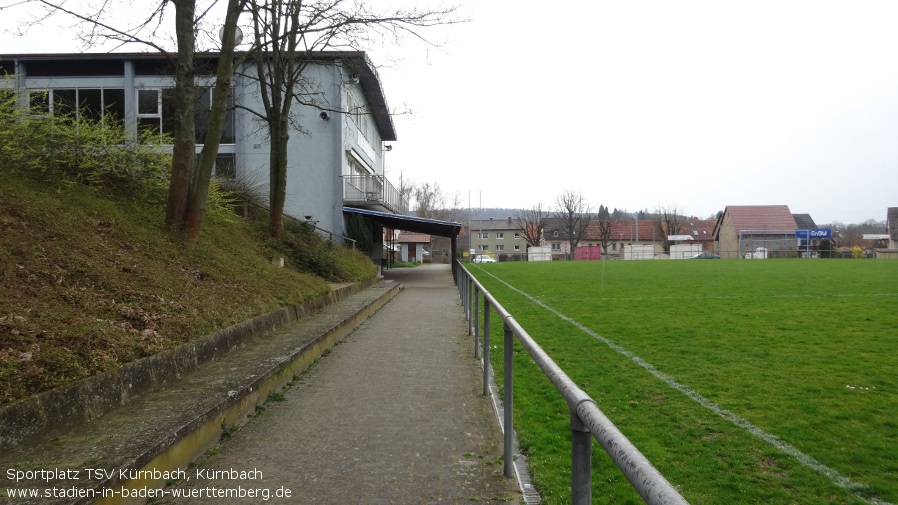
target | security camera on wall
[
  {"x": 354, "y": 78},
  {"x": 324, "y": 116}
]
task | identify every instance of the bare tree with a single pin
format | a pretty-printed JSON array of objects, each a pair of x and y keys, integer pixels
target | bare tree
[
  {"x": 288, "y": 34},
  {"x": 667, "y": 222},
  {"x": 605, "y": 223},
  {"x": 532, "y": 224},
  {"x": 429, "y": 200},
  {"x": 202, "y": 174},
  {"x": 574, "y": 212},
  {"x": 190, "y": 178}
]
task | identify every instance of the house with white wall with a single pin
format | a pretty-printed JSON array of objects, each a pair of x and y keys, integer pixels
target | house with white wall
[
  {"x": 412, "y": 246},
  {"x": 335, "y": 153}
]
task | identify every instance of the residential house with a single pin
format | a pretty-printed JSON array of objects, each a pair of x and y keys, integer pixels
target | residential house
[
  {"x": 556, "y": 236},
  {"x": 808, "y": 235},
  {"x": 692, "y": 236},
  {"x": 626, "y": 236},
  {"x": 412, "y": 246},
  {"x": 336, "y": 159},
  {"x": 699, "y": 231},
  {"x": 892, "y": 224},
  {"x": 501, "y": 239},
  {"x": 771, "y": 229}
]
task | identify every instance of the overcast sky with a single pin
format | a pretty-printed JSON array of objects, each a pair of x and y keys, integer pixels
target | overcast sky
[
  {"x": 641, "y": 104},
  {"x": 646, "y": 104}
]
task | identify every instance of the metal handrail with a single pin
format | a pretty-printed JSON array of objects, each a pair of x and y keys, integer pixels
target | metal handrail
[
  {"x": 368, "y": 189},
  {"x": 587, "y": 420},
  {"x": 323, "y": 232}
]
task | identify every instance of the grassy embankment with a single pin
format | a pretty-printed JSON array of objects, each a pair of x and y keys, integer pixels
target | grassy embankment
[
  {"x": 89, "y": 281},
  {"x": 805, "y": 350}
]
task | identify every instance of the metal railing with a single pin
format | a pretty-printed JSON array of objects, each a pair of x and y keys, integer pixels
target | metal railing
[
  {"x": 373, "y": 189},
  {"x": 321, "y": 232},
  {"x": 587, "y": 421}
]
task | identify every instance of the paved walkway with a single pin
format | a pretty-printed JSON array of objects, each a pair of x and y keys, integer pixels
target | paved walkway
[{"x": 392, "y": 415}]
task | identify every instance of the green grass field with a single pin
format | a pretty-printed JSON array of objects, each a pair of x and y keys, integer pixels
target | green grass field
[{"x": 806, "y": 351}]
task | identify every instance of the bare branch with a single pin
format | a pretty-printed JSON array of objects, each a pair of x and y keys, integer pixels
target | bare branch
[
  {"x": 575, "y": 216},
  {"x": 668, "y": 222},
  {"x": 532, "y": 223}
]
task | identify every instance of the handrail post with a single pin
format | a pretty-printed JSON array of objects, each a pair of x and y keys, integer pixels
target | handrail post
[
  {"x": 587, "y": 422},
  {"x": 508, "y": 361},
  {"x": 581, "y": 462},
  {"x": 472, "y": 288},
  {"x": 486, "y": 346},
  {"x": 476, "y": 322},
  {"x": 468, "y": 285},
  {"x": 464, "y": 294}
]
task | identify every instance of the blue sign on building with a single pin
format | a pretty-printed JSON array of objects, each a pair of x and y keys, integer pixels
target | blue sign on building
[{"x": 819, "y": 233}]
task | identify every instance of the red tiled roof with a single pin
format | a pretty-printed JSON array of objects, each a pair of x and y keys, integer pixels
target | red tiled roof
[
  {"x": 761, "y": 217},
  {"x": 409, "y": 237},
  {"x": 623, "y": 230},
  {"x": 698, "y": 229}
]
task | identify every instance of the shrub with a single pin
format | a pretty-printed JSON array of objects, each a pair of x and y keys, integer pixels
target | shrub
[{"x": 74, "y": 148}]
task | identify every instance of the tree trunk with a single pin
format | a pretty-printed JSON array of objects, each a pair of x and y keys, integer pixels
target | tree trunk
[
  {"x": 280, "y": 135},
  {"x": 202, "y": 178},
  {"x": 184, "y": 148}
]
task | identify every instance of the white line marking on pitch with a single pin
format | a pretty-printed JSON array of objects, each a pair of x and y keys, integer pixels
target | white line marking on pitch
[{"x": 808, "y": 461}]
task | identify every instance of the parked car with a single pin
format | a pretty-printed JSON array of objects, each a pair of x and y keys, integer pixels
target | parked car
[
  {"x": 482, "y": 258},
  {"x": 705, "y": 256}
]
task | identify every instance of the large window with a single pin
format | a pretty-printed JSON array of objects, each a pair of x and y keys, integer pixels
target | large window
[
  {"x": 226, "y": 166},
  {"x": 149, "y": 110},
  {"x": 202, "y": 110},
  {"x": 156, "y": 112},
  {"x": 39, "y": 102},
  {"x": 83, "y": 103},
  {"x": 358, "y": 114}
]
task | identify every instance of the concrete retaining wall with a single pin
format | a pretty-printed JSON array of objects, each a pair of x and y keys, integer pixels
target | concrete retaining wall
[{"x": 56, "y": 411}]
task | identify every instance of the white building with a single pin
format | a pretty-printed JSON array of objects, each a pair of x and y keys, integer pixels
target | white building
[{"x": 335, "y": 156}]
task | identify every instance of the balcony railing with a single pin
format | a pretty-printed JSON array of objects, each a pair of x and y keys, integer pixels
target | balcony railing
[{"x": 373, "y": 191}]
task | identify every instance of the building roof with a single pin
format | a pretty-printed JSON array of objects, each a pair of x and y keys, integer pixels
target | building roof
[
  {"x": 409, "y": 223},
  {"x": 410, "y": 237},
  {"x": 356, "y": 61},
  {"x": 630, "y": 230},
  {"x": 775, "y": 218},
  {"x": 698, "y": 229},
  {"x": 804, "y": 222},
  {"x": 495, "y": 224}
]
